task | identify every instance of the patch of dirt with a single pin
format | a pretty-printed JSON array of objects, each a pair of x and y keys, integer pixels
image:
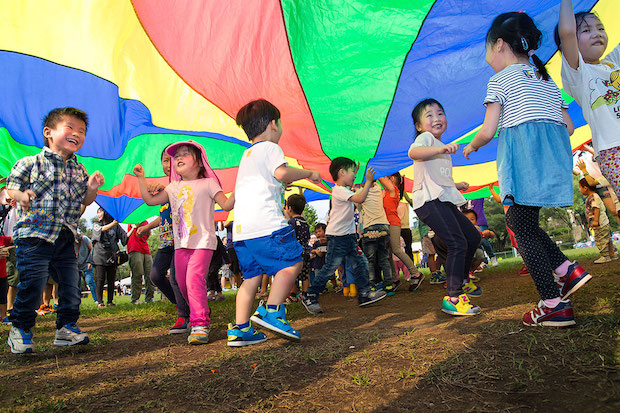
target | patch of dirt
[{"x": 402, "y": 354}]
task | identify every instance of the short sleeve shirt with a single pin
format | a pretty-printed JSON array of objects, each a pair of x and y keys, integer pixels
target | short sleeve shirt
[
  {"x": 166, "y": 234},
  {"x": 341, "y": 216},
  {"x": 371, "y": 210},
  {"x": 596, "y": 88},
  {"x": 258, "y": 194},
  {"x": 302, "y": 232},
  {"x": 192, "y": 210},
  {"x": 592, "y": 202},
  {"x": 524, "y": 97}
]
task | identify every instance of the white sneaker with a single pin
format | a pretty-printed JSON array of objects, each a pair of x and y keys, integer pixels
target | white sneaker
[
  {"x": 494, "y": 262},
  {"x": 70, "y": 335},
  {"x": 20, "y": 341},
  {"x": 199, "y": 335}
]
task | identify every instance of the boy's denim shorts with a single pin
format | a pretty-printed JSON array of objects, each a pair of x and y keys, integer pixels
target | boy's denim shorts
[{"x": 268, "y": 254}]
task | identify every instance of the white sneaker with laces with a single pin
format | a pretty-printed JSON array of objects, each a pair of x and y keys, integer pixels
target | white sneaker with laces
[{"x": 70, "y": 335}]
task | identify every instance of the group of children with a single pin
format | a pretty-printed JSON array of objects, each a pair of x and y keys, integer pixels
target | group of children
[{"x": 522, "y": 101}]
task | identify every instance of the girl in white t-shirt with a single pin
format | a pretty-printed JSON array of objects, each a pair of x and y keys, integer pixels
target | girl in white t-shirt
[
  {"x": 192, "y": 192},
  {"x": 594, "y": 82},
  {"x": 435, "y": 199}
]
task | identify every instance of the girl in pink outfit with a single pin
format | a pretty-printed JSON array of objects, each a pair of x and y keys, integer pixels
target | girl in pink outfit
[{"x": 192, "y": 192}]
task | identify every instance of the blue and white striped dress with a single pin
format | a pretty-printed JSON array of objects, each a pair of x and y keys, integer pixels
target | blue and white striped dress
[{"x": 534, "y": 157}]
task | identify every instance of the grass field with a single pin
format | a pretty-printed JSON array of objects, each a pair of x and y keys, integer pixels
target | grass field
[{"x": 402, "y": 354}]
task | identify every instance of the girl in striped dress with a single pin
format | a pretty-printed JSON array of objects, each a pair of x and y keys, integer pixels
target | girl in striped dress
[{"x": 534, "y": 159}]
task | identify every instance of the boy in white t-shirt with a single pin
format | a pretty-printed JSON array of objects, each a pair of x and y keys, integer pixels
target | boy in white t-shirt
[
  {"x": 341, "y": 237},
  {"x": 263, "y": 240}
]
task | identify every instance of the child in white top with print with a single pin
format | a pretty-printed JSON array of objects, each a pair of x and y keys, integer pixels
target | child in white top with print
[
  {"x": 263, "y": 240},
  {"x": 593, "y": 82},
  {"x": 192, "y": 192},
  {"x": 435, "y": 200},
  {"x": 342, "y": 237},
  {"x": 534, "y": 142}
]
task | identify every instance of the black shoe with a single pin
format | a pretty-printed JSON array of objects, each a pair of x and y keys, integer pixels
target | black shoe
[
  {"x": 415, "y": 282},
  {"x": 371, "y": 297}
]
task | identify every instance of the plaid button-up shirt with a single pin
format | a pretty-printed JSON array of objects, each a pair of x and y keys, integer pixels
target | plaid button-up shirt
[{"x": 60, "y": 189}]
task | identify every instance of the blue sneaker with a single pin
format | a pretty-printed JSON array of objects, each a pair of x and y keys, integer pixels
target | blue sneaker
[
  {"x": 438, "y": 278},
  {"x": 20, "y": 341},
  {"x": 245, "y": 337},
  {"x": 275, "y": 321},
  {"x": 70, "y": 335},
  {"x": 389, "y": 290},
  {"x": 6, "y": 321}
]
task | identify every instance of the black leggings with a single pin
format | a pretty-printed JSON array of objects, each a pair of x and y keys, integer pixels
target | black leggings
[
  {"x": 105, "y": 273},
  {"x": 540, "y": 254},
  {"x": 408, "y": 238},
  {"x": 460, "y": 236}
]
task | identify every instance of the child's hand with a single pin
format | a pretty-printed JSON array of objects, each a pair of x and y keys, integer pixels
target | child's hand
[
  {"x": 582, "y": 166},
  {"x": 315, "y": 177},
  {"x": 594, "y": 224},
  {"x": 26, "y": 196},
  {"x": 4, "y": 253},
  {"x": 154, "y": 188},
  {"x": 96, "y": 180},
  {"x": 449, "y": 148},
  {"x": 138, "y": 171},
  {"x": 370, "y": 174},
  {"x": 469, "y": 149},
  {"x": 462, "y": 186}
]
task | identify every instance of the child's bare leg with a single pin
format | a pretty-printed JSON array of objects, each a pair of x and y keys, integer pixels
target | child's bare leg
[
  {"x": 245, "y": 299},
  {"x": 11, "y": 297},
  {"x": 306, "y": 283},
  {"x": 264, "y": 284},
  {"x": 47, "y": 295},
  {"x": 282, "y": 282}
]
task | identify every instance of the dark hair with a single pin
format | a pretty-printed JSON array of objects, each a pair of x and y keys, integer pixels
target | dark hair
[
  {"x": 400, "y": 185},
  {"x": 584, "y": 182},
  {"x": 107, "y": 218},
  {"x": 297, "y": 203},
  {"x": 163, "y": 152},
  {"x": 518, "y": 30},
  {"x": 416, "y": 114},
  {"x": 580, "y": 19},
  {"x": 321, "y": 226},
  {"x": 57, "y": 115},
  {"x": 256, "y": 116},
  {"x": 338, "y": 164},
  {"x": 466, "y": 211}
]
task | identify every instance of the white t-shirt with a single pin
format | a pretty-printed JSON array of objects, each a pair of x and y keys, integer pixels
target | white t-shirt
[
  {"x": 430, "y": 189},
  {"x": 598, "y": 95},
  {"x": 258, "y": 194},
  {"x": 371, "y": 210},
  {"x": 341, "y": 216}
]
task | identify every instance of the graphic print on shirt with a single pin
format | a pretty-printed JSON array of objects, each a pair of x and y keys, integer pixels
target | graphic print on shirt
[
  {"x": 605, "y": 92},
  {"x": 185, "y": 227}
]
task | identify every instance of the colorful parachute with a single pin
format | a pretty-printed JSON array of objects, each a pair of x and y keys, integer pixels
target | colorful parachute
[{"x": 345, "y": 75}]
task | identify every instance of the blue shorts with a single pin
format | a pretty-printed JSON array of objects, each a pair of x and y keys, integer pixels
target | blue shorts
[{"x": 268, "y": 254}]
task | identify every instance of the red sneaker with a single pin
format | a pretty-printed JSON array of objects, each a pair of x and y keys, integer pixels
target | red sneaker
[
  {"x": 575, "y": 278},
  {"x": 524, "y": 272},
  {"x": 180, "y": 327},
  {"x": 560, "y": 316}
]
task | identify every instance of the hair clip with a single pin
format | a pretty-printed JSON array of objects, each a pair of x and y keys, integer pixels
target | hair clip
[{"x": 524, "y": 44}]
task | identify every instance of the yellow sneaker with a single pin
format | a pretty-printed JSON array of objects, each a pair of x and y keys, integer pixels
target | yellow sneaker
[{"x": 461, "y": 307}]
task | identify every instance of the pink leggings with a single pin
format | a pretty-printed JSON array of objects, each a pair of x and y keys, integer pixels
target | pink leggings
[
  {"x": 191, "y": 267},
  {"x": 609, "y": 162}
]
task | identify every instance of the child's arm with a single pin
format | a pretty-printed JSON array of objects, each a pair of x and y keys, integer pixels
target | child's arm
[
  {"x": 567, "y": 29},
  {"x": 569, "y": 122},
  {"x": 227, "y": 203},
  {"x": 582, "y": 166},
  {"x": 422, "y": 153},
  {"x": 94, "y": 183},
  {"x": 22, "y": 197},
  {"x": 487, "y": 233},
  {"x": 388, "y": 185},
  {"x": 148, "y": 227},
  {"x": 288, "y": 174},
  {"x": 109, "y": 226},
  {"x": 597, "y": 215},
  {"x": 361, "y": 196},
  {"x": 149, "y": 199},
  {"x": 131, "y": 230},
  {"x": 462, "y": 186},
  {"x": 495, "y": 195},
  {"x": 408, "y": 199},
  {"x": 487, "y": 131}
]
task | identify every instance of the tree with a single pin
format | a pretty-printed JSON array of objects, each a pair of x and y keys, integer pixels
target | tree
[{"x": 310, "y": 216}]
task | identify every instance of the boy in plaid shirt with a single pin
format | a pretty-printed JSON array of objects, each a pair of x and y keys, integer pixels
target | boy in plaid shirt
[{"x": 50, "y": 188}]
